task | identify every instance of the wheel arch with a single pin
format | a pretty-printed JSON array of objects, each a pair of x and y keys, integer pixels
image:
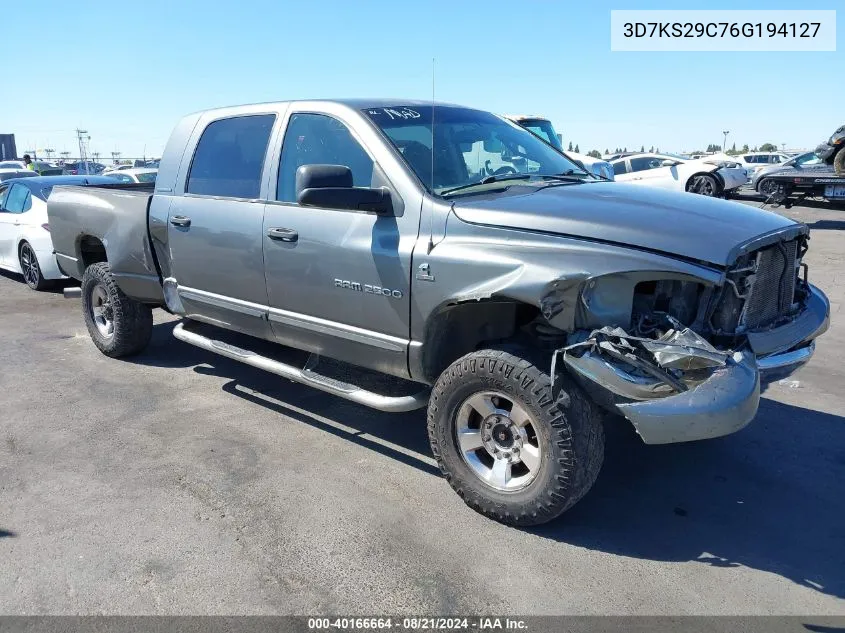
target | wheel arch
[
  {"x": 90, "y": 249},
  {"x": 458, "y": 327}
]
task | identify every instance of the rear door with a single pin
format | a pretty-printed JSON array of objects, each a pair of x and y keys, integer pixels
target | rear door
[
  {"x": 6, "y": 224},
  {"x": 648, "y": 170},
  {"x": 215, "y": 225}
]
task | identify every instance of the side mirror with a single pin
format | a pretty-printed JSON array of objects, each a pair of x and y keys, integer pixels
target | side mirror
[
  {"x": 668, "y": 163},
  {"x": 330, "y": 187}
]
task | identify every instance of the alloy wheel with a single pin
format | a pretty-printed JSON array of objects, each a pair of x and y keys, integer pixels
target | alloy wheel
[
  {"x": 499, "y": 441},
  {"x": 29, "y": 266},
  {"x": 102, "y": 311}
]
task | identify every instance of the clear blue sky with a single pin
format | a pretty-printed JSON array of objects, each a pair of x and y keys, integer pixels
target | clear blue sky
[{"x": 127, "y": 71}]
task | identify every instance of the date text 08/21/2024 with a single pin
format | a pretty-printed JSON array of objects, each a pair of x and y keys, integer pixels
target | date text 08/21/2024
[{"x": 417, "y": 623}]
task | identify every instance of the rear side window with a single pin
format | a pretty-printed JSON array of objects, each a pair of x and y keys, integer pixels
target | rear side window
[
  {"x": 18, "y": 200},
  {"x": 644, "y": 162},
  {"x": 229, "y": 158}
]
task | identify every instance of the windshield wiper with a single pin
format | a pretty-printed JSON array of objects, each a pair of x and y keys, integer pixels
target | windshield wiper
[
  {"x": 486, "y": 181},
  {"x": 569, "y": 175}
]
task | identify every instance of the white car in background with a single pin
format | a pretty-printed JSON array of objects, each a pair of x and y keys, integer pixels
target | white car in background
[
  {"x": 136, "y": 175},
  {"x": 542, "y": 127},
  {"x": 754, "y": 161},
  {"x": 25, "y": 244},
  {"x": 708, "y": 176},
  {"x": 8, "y": 174},
  {"x": 12, "y": 164}
]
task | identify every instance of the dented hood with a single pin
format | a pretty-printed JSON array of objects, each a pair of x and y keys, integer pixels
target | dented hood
[{"x": 682, "y": 224}]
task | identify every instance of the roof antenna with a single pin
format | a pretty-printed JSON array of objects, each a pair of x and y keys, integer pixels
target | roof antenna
[{"x": 431, "y": 209}]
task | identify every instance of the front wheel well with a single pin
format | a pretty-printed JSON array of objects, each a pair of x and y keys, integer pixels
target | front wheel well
[{"x": 461, "y": 328}]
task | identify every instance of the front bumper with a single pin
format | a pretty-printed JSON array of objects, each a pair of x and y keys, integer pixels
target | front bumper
[
  {"x": 726, "y": 400},
  {"x": 733, "y": 177},
  {"x": 721, "y": 405}
]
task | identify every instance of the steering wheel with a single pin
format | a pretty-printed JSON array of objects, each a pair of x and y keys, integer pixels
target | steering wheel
[{"x": 505, "y": 169}]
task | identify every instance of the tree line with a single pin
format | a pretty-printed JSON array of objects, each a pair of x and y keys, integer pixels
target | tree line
[{"x": 711, "y": 149}]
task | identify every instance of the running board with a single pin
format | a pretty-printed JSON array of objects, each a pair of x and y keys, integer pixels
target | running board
[{"x": 391, "y": 404}]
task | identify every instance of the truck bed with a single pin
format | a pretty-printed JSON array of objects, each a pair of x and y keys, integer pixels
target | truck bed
[{"x": 91, "y": 224}]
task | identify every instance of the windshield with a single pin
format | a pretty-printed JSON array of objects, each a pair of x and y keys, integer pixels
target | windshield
[
  {"x": 149, "y": 176},
  {"x": 544, "y": 130},
  {"x": 468, "y": 146},
  {"x": 809, "y": 158}
]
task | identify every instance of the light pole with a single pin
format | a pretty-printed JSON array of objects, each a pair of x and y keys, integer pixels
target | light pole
[{"x": 725, "y": 140}]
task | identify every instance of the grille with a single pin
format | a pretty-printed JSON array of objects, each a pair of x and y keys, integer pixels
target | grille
[{"x": 773, "y": 290}]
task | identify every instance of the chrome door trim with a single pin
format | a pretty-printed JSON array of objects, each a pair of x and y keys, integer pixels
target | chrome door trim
[
  {"x": 341, "y": 330},
  {"x": 297, "y": 320},
  {"x": 220, "y": 301}
]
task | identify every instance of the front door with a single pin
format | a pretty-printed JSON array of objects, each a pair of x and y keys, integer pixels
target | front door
[
  {"x": 338, "y": 280},
  {"x": 214, "y": 229}
]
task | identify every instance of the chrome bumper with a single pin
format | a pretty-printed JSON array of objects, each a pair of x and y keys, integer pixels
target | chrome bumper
[
  {"x": 722, "y": 404},
  {"x": 728, "y": 399}
]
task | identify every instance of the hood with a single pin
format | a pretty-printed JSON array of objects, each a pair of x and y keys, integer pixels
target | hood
[{"x": 683, "y": 224}]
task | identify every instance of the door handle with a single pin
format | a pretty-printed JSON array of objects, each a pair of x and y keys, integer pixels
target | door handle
[
  {"x": 283, "y": 235},
  {"x": 180, "y": 220}
]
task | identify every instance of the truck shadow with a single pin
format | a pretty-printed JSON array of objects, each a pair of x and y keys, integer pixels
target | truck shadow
[{"x": 767, "y": 498}]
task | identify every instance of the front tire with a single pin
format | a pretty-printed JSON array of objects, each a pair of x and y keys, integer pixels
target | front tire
[
  {"x": 30, "y": 269},
  {"x": 705, "y": 185},
  {"x": 510, "y": 450},
  {"x": 839, "y": 162},
  {"x": 118, "y": 325},
  {"x": 767, "y": 187}
]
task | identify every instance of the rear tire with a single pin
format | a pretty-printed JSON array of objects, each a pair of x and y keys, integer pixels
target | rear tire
[
  {"x": 118, "y": 325},
  {"x": 559, "y": 444},
  {"x": 30, "y": 269},
  {"x": 839, "y": 162}
]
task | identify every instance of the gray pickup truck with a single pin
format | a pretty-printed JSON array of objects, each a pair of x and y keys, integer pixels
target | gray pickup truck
[{"x": 516, "y": 296}]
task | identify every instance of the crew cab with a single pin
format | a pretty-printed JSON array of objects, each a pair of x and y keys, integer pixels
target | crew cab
[{"x": 510, "y": 292}]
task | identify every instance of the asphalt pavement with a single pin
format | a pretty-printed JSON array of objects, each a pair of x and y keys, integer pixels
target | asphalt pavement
[{"x": 179, "y": 482}]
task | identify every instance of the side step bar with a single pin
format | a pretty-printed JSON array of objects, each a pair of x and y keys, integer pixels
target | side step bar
[{"x": 391, "y": 404}]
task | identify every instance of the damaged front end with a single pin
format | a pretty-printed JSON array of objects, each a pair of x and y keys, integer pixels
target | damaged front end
[
  {"x": 673, "y": 387},
  {"x": 678, "y": 382}
]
